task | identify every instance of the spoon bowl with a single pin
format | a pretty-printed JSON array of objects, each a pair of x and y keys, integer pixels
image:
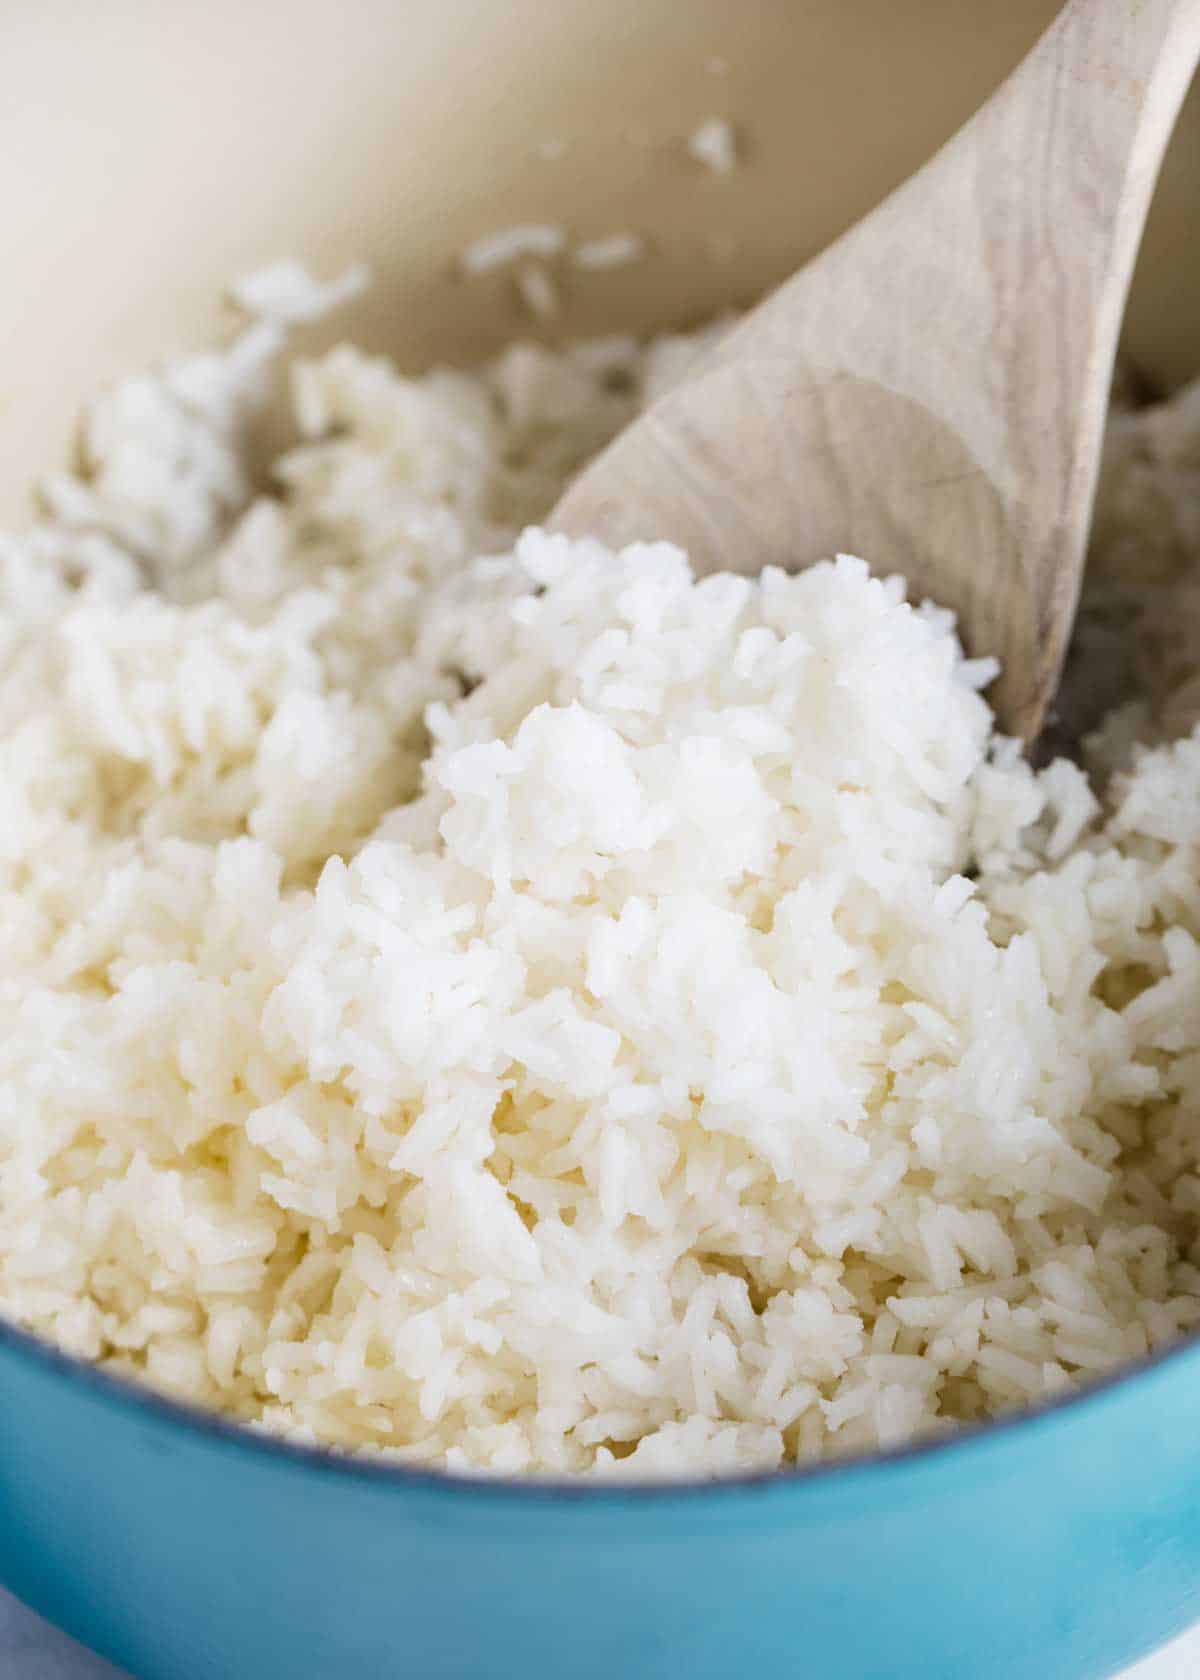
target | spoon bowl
[{"x": 931, "y": 391}]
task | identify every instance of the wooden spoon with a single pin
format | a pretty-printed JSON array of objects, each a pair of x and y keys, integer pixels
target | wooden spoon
[{"x": 930, "y": 393}]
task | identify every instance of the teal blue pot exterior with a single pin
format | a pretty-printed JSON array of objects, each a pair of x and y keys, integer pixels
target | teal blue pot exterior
[{"x": 1059, "y": 1546}]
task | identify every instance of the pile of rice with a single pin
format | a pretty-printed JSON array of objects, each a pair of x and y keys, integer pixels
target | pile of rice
[{"x": 547, "y": 1012}]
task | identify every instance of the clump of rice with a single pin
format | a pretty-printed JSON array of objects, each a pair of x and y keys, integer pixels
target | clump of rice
[{"x": 548, "y": 1012}]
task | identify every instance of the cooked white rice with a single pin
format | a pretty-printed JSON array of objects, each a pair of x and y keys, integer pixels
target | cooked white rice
[
  {"x": 547, "y": 1012},
  {"x": 537, "y": 291},
  {"x": 611, "y": 250},
  {"x": 506, "y": 245},
  {"x": 714, "y": 144}
]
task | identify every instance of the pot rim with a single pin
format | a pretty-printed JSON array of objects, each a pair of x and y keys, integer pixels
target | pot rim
[{"x": 134, "y": 1397}]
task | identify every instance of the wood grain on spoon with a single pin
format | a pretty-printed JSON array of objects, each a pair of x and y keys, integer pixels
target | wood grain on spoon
[{"x": 931, "y": 392}]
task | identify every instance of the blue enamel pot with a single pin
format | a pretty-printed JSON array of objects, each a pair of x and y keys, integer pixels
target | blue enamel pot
[
  {"x": 1058, "y": 1545},
  {"x": 148, "y": 152}
]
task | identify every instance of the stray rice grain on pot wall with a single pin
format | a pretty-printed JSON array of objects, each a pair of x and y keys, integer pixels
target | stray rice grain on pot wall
[{"x": 481, "y": 998}]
